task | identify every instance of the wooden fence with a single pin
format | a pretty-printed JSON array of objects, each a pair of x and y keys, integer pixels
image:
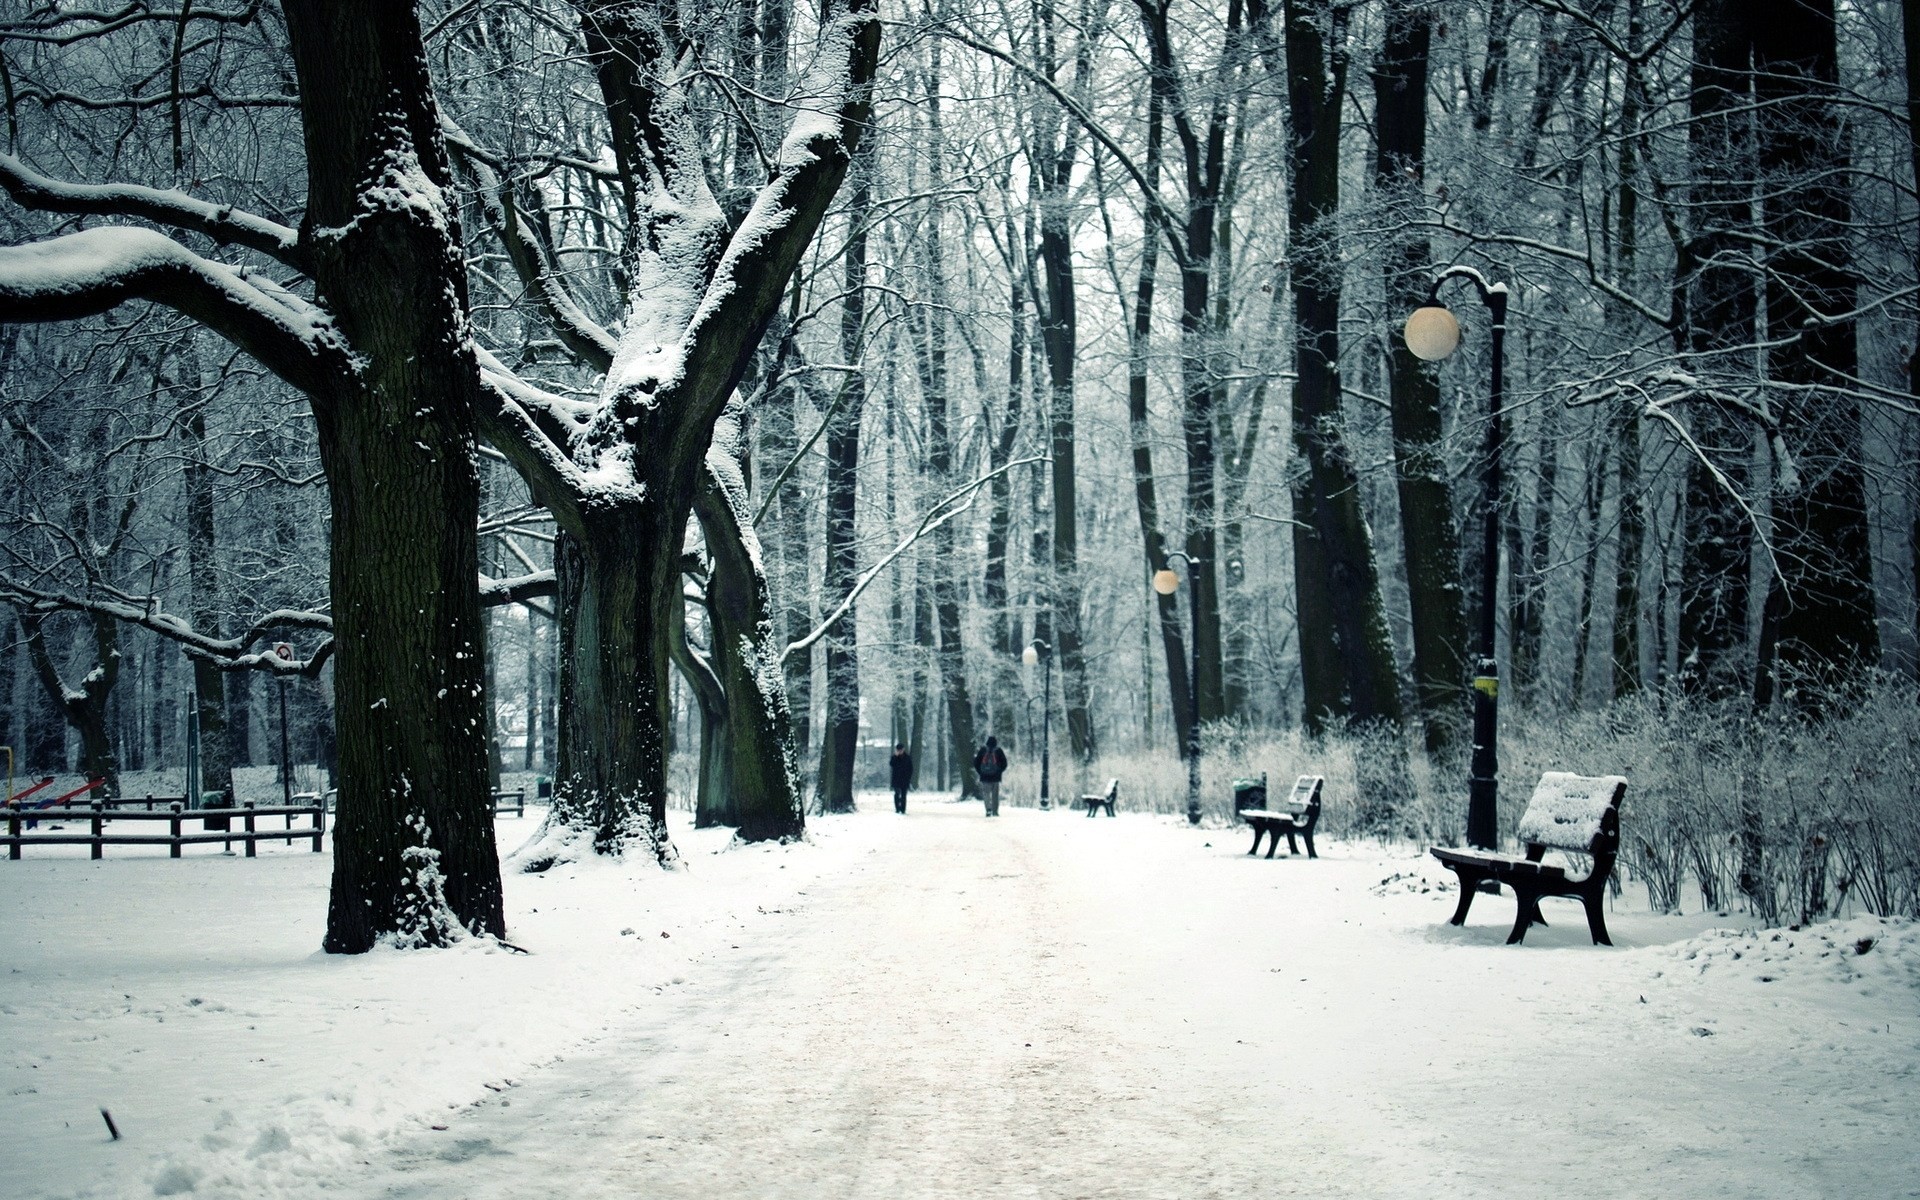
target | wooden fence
[
  {"x": 514, "y": 802},
  {"x": 98, "y": 837}
]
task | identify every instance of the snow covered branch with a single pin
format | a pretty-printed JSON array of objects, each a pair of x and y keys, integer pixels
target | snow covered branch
[
  {"x": 80, "y": 274},
  {"x": 230, "y": 654},
  {"x": 221, "y": 222},
  {"x": 949, "y": 507},
  {"x": 532, "y": 260},
  {"x": 495, "y": 593},
  {"x": 760, "y": 257}
]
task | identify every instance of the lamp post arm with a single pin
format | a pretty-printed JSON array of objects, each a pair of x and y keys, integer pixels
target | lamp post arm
[{"x": 1488, "y": 290}]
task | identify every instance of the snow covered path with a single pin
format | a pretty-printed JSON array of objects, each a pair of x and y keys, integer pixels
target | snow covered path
[
  {"x": 1048, "y": 1006},
  {"x": 941, "y": 1006}
]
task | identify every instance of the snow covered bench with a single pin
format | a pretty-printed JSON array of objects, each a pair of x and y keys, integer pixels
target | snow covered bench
[
  {"x": 1578, "y": 813},
  {"x": 1107, "y": 798},
  {"x": 1300, "y": 814}
]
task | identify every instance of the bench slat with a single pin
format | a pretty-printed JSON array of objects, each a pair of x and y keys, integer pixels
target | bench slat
[{"x": 1566, "y": 810}]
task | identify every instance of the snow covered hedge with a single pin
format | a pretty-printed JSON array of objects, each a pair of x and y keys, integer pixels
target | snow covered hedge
[{"x": 1820, "y": 817}]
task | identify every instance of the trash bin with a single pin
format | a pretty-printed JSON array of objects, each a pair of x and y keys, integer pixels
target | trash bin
[
  {"x": 1249, "y": 793},
  {"x": 543, "y": 789}
]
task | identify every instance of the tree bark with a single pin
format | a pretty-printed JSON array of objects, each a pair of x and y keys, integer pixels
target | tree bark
[
  {"x": 414, "y": 851},
  {"x": 1343, "y": 633},
  {"x": 840, "y": 744},
  {"x": 85, "y": 706},
  {"x": 1428, "y": 537},
  {"x": 1716, "y": 294},
  {"x": 763, "y": 788},
  {"x": 203, "y": 585},
  {"x": 1823, "y": 593}
]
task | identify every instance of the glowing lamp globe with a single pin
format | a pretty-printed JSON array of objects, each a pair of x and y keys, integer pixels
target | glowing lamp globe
[
  {"x": 1165, "y": 581},
  {"x": 1030, "y": 655},
  {"x": 1432, "y": 333}
]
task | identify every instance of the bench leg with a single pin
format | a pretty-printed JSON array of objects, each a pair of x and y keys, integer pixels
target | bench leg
[
  {"x": 1109, "y": 805},
  {"x": 1293, "y": 847},
  {"x": 1469, "y": 884},
  {"x": 1526, "y": 913},
  {"x": 1257, "y": 835},
  {"x": 1596, "y": 921},
  {"x": 1307, "y": 836}
]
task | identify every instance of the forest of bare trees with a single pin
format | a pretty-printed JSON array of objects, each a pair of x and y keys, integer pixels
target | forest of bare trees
[{"x": 688, "y": 401}]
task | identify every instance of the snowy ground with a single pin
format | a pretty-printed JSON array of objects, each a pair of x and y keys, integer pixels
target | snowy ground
[{"x": 941, "y": 1005}]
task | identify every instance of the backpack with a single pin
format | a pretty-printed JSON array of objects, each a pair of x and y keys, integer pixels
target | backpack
[{"x": 991, "y": 763}]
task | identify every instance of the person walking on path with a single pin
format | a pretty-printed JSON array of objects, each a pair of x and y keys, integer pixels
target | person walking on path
[
  {"x": 900, "y": 771},
  {"x": 991, "y": 764}
]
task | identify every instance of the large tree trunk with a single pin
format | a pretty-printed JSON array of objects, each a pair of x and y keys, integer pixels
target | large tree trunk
[
  {"x": 203, "y": 587},
  {"x": 1058, "y": 334},
  {"x": 1633, "y": 508},
  {"x": 1342, "y": 622},
  {"x": 1202, "y": 148},
  {"x": 1823, "y": 594},
  {"x": 933, "y": 387},
  {"x": 840, "y": 745},
  {"x": 763, "y": 789},
  {"x": 619, "y": 577},
  {"x": 414, "y": 851},
  {"x": 1716, "y": 293},
  {"x": 1428, "y": 537},
  {"x": 85, "y": 706},
  {"x": 1145, "y": 493}
]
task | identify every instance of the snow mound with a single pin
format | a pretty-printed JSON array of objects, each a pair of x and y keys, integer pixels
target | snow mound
[{"x": 1860, "y": 949}]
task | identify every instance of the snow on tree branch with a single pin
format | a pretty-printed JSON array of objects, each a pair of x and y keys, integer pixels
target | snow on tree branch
[
  {"x": 80, "y": 274},
  {"x": 531, "y": 260},
  {"x": 760, "y": 256},
  {"x": 950, "y": 506},
  {"x": 221, "y": 222}
]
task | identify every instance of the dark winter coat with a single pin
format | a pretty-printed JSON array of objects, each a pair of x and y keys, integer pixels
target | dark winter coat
[
  {"x": 991, "y": 763},
  {"x": 900, "y": 767}
]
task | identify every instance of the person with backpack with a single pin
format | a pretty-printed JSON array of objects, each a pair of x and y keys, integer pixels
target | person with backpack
[
  {"x": 900, "y": 774},
  {"x": 990, "y": 764}
]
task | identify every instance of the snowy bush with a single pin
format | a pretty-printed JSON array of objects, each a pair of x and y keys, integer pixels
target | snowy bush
[{"x": 1786, "y": 818}]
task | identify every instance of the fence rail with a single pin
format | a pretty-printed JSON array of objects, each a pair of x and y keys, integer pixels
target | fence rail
[
  {"x": 96, "y": 816},
  {"x": 514, "y": 802}
]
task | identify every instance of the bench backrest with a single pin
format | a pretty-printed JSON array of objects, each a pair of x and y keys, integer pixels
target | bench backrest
[
  {"x": 1574, "y": 812},
  {"x": 1113, "y": 788},
  {"x": 1306, "y": 792}
]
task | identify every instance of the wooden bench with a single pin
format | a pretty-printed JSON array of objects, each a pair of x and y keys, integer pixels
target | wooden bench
[
  {"x": 1106, "y": 799},
  {"x": 1296, "y": 819},
  {"x": 1578, "y": 813}
]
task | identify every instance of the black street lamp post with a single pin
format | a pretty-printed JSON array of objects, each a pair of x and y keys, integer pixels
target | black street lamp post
[
  {"x": 1039, "y": 651},
  {"x": 1165, "y": 581},
  {"x": 1432, "y": 334}
]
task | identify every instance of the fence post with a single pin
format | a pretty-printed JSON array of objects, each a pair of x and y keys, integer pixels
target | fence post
[
  {"x": 13, "y": 831},
  {"x": 250, "y": 842},
  {"x": 319, "y": 820},
  {"x": 173, "y": 828},
  {"x": 98, "y": 833}
]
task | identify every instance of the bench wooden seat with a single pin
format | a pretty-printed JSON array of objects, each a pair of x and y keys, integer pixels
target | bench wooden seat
[
  {"x": 1577, "y": 813},
  {"x": 1106, "y": 800},
  {"x": 1296, "y": 819}
]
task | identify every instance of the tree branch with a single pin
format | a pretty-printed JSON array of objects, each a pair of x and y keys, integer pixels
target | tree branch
[
  {"x": 80, "y": 274},
  {"x": 221, "y": 222},
  {"x": 936, "y": 516}
]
